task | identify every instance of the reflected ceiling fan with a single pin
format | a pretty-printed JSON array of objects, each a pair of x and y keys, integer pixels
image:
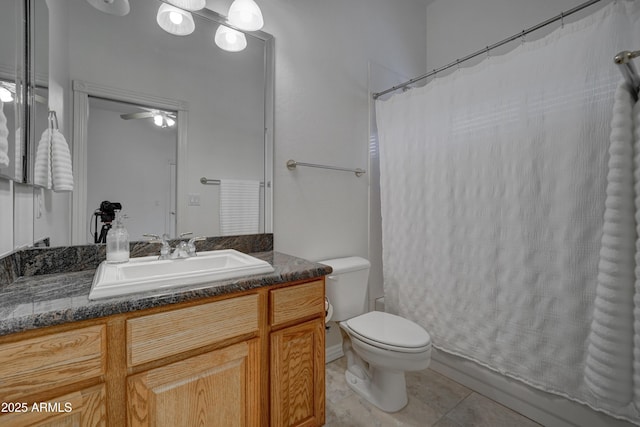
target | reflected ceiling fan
[{"x": 161, "y": 118}]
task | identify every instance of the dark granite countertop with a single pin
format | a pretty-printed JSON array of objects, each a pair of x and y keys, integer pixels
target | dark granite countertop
[{"x": 38, "y": 301}]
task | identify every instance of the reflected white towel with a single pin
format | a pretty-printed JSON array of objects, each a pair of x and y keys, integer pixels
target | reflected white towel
[
  {"x": 4, "y": 140},
  {"x": 42, "y": 168},
  {"x": 53, "y": 162},
  {"x": 61, "y": 169},
  {"x": 239, "y": 207}
]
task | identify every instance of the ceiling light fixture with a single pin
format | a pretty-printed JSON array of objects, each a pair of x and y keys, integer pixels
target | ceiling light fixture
[
  {"x": 191, "y": 5},
  {"x": 157, "y": 120},
  {"x": 229, "y": 39},
  {"x": 175, "y": 21},
  {"x": 112, "y": 7},
  {"x": 245, "y": 15},
  {"x": 5, "y": 94}
]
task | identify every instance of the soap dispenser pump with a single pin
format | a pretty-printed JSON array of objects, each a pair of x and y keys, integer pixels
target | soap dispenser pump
[{"x": 118, "y": 243}]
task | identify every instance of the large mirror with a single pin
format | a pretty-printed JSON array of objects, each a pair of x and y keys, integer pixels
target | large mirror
[{"x": 147, "y": 115}]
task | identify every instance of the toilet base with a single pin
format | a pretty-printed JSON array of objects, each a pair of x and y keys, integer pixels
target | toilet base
[{"x": 386, "y": 389}]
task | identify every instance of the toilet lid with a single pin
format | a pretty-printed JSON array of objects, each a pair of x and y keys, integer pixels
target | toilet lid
[{"x": 389, "y": 329}]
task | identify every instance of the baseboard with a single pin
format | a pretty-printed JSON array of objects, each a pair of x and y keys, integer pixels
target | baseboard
[
  {"x": 333, "y": 342},
  {"x": 545, "y": 408}
]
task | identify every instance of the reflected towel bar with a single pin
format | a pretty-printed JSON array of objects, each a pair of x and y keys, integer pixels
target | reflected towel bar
[
  {"x": 291, "y": 165},
  {"x": 207, "y": 181}
]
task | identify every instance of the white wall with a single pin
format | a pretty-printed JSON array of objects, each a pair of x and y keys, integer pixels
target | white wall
[
  {"x": 456, "y": 28},
  {"x": 323, "y": 50}
]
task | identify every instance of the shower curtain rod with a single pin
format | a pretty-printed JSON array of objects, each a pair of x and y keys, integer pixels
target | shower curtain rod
[{"x": 486, "y": 50}]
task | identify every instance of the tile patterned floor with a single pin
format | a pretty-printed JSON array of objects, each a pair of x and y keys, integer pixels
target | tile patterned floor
[{"x": 434, "y": 401}]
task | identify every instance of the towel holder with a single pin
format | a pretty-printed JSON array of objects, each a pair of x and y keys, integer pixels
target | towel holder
[
  {"x": 53, "y": 120},
  {"x": 292, "y": 164},
  {"x": 209, "y": 181}
]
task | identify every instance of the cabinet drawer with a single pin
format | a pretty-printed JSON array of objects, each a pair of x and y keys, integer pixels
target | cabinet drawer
[
  {"x": 296, "y": 302},
  {"x": 32, "y": 365},
  {"x": 164, "y": 334},
  {"x": 86, "y": 408}
]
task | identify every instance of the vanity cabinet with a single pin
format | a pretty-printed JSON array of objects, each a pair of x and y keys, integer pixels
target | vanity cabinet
[
  {"x": 46, "y": 379},
  {"x": 253, "y": 358},
  {"x": 218, "y": 388},
  {"x": 297, "y": 374}
]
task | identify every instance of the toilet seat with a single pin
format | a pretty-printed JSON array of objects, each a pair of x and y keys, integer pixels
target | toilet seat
[{"x": 390, "y": 332}]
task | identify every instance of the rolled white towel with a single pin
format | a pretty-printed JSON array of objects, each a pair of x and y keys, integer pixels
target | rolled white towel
[
  {"x": 61, "y": 163},
  {"x": 42, "y": 168},
  {"x": 4, "y": 139}
]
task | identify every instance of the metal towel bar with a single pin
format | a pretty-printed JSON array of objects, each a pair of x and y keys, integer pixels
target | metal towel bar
[{"x": 292, "y": 164}]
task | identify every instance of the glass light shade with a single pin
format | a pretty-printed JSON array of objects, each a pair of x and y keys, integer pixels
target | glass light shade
[
  {"x": 246, "y": 15},
  {"x": 157, "y": 120},
  {"x": 175, "y": 21},
  {"x": 170, "y": 122},
  {"x": 112, "y": 7},
  {"x": 189, "y": 4},
  {"x": 229, "y": 39}
]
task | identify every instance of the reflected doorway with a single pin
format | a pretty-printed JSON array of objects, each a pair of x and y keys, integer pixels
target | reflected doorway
[{"x": 131, "y": 162}]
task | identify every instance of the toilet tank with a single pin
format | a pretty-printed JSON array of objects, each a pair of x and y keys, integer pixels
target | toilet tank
[{"x": 346, "y": 287}]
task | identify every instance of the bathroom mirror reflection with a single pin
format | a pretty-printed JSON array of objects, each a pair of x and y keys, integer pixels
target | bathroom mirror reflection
[
  {"x": 225, "y": 100},
  {"x": 130, "y": 137},
  {"x": 11, "y": 147}
]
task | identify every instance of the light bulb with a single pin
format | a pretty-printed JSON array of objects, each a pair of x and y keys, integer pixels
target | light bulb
[
  {"x": 246, "y": 15},
  {"x": 170, "y": 122},
  {"x": 5, "y": 95},
  {"x": 175, "y": 21},
  {"x": 157, "y": 120},
  {"x": 229, "y": 39},
  {"x": 175, "y": 17}
]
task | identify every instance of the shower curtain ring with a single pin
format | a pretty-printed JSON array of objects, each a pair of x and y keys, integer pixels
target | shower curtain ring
[
  {"x": 522, "y": 37},
  {"x": 488, "y": 54},
  {"x": 561, "y": 19}
]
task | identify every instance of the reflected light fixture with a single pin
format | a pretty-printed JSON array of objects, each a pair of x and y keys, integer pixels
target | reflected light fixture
[
  {"x": 229, "y": 39},
  {"x": 162, "y": 120},
  {"x": 245, "y": 15},
  {"x": 5, "y": 94},
  {"x": 112, "y": 7},
  {"x": 191, "y": 5},
  {"x": 175, "y": 21}
]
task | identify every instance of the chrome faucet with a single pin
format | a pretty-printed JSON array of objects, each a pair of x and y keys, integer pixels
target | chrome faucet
[
  {"x": 165, "y": 250},
  {"x": 182, "y": 250}
]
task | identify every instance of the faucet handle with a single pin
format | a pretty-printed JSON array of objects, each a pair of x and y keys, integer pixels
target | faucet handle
[
  {"x": 192, "y": 244},
  {"x": 153, "y": 238}
]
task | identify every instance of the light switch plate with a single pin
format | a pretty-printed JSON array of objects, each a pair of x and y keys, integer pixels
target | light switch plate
[{"x": 194, "y": 200}]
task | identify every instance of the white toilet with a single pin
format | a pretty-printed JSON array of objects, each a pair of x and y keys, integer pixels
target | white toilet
[{"x": 383, "y": 346}]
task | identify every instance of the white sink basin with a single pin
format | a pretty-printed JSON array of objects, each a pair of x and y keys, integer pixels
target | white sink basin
[{"x": 149, "y": 273}]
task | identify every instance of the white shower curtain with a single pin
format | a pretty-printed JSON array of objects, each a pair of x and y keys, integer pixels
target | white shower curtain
[{"x": 493, "y": 184}]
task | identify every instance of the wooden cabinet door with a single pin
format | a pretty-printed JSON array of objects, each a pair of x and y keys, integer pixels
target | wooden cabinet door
[
  {"x": 220, "y": 388},
  {"x": 297, "y": 375},
  {"x": 84, "y": 408}
]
